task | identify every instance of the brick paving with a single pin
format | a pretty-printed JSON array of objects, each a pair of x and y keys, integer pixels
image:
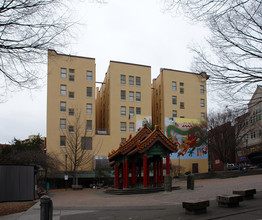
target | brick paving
[{"x": 204, "y": 189}]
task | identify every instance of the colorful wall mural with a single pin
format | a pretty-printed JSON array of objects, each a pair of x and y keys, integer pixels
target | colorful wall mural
[
  {"x": 186, "y": 133},
  {"x": 140, "y": 120}
]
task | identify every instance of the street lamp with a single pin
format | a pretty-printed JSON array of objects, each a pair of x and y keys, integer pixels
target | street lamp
[{"x": 246, "y": 151}]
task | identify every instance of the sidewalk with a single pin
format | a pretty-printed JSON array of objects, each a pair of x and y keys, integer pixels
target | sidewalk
[{"x": 94, "y": 204}]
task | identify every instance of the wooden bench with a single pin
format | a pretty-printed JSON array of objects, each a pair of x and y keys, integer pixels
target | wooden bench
[
  {"x": 229, "y": 201},
  {"x": 196, "y": 206},
  {"x": 246, "y": 193}
]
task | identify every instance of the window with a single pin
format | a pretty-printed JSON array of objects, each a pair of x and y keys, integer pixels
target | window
[
  {"x": 174, "y": 102},
  {"x": 89, "y": 91},
  {"x": 71, "y": 71},
  {"x": 89, "y": 109},
  {"x": 123, "y": 80},
  {"x": 86, "y": 143},
  {"x": 62, "y": 141},
  {"x": 63, "y": 73},
  {"x": 123, "y": 126},
  {"x": 138, "y": 96},
  {"x": 202, "y": 116},
  {"x": 202, "y": 89},
  {"x": 63, "y": 106},
  {"x": 71, "y": 111},
  {"x": 71, "y": 129},
  {"x": 123, "y": 110},
  {"x": 71, "y": 78},
  {"x": 88, "y": 75},
  {"x": 131, "y": 80},
  {"x": 123, "y": 140},
  {"x": 131, "y": 111},
  {"x": 62, "y": 124},
  {"x": 131, "y": 127},
  {"x": 123, "y": 95},
  {"x": 174, "y": 86},
  {"x": 131, "y": 96},
  {"x": 182, "y": 105},
  {"x": 138, "y": 110},
  {"x": 174, "y": 113},
  {"x": 181, "y": 84},
  {"x": 181, "y": 90},
  {"x": 62, "y": 89},
  {"x": 71, "y": 95},
  {"x": 202, "y": 103},
  {"x": 138, "y": 81},
  {"x": 89, "y": 125}
]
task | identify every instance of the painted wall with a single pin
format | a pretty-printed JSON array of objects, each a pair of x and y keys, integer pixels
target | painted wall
[{"x": 191, "y": 148}]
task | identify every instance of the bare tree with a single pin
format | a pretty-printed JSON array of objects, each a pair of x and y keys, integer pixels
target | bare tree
[
  {"x": 233, "y": 58},
  {"x": 226, "y": 131},
  {"x": 27, "y": 29},
  {"x": 79, "y": 147}
]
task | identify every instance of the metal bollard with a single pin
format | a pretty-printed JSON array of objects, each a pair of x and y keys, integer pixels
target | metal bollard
[
  {"x": 46, "y": 211},
  {"x": 190, "y": 182}
]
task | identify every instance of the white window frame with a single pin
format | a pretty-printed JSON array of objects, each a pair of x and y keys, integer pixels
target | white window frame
[
  {"x": 131, "y": 111},
  {"x": 63, "y": 90},
  {"x": 203, "y": 116},
  {"x": 89, "y": 108},
  {"x": 131, "y": 127},
  {"x": 174, "y": 100},
  {"x": 88, "y": 92},
  {"x": 123, "y": 110},
  {"x": 89, "y": 77},
  {"x": 62, "y": 106},
  {"x": 138, "y": 96},
  {"x": 62, "y": 124},
  {"x": 88, "y": 125},
  {"x": 202, "y": 103},
  {"x": 63, "y": 73},
  {"x": 131, "y": 96},
  {"x": 139, "y": 113},
  {"x": 202, "y": 89},
  {"x": 71, "y": 111},
  {"x": 138, "y": 81},
  {"x": 174, "y": 113},
  {"x": 174, "y": 88},
  {"x": 131, "y": 80},
  {"x": 123, "y": 79},
  {"x": 123, "y": 126}
]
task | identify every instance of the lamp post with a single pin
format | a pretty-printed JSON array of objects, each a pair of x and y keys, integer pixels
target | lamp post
[
  {"x": 66, "y": 176},
  {"x": 246, "y": 151}
]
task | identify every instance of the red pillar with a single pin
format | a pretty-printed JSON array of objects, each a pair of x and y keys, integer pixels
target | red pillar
[
  {"x": 145, "y": 171},
  {"x": 134, "y": 173},
  {"x": 154, "y": 173},
  {"x": 124, "y": 174},
  {"x": 116, "y": 177},
  {"x": 161, "y": 170},
  {"x": 167, "y": 164},
  {"x": 127, "y": 174}
]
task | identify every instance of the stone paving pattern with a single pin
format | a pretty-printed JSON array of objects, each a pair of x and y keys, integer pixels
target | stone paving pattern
[{"x": 91, "y": 204}]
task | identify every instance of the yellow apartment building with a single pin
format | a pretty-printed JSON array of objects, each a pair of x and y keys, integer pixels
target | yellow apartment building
[
  {"x": 179, "y": 100},
  {"x": 125, "y": 100},
  {"x": 70, "y": 94},
  {"x": 107, "y": 115}
]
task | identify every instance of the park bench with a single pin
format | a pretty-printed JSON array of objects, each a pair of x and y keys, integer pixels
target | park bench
[
  {"x": 229, "y": 200},
  {"x": 246, "y": 193},
  {"x": 196, "y": 206}
]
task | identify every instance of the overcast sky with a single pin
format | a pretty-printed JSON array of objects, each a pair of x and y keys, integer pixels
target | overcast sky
[{"x": 134, "y": 31}]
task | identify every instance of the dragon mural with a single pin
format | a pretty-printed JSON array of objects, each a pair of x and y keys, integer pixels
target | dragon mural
[{"x": 188, "y": 139}]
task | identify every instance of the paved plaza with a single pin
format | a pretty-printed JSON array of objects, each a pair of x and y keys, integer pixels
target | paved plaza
[{"x": 95, "y": 204}]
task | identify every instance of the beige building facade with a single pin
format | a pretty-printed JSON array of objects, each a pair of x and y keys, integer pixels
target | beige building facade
[
  {"x": 178, "y": 94},
  {"x": 125, "y": 100}
]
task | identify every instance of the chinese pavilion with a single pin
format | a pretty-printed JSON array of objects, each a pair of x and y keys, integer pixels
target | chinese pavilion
[{"x": 140, "y": 156}]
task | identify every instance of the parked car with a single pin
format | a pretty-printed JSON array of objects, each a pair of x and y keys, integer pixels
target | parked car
[
  {"x": 232, "y": 166},
  {"x": 259, "y": 165}
]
